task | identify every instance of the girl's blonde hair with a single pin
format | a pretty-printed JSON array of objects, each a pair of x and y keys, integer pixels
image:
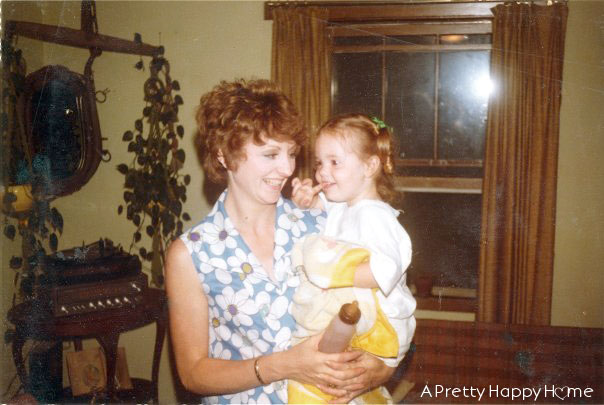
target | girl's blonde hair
[{"x": 368, "y": 137}]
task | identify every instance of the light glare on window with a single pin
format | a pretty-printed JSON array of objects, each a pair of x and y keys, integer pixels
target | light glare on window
[{"x": 482, "y": 87}]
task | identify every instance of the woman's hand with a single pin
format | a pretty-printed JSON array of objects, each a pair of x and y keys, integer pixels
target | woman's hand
[
  {"x": 304, "y": 195},
  {"x": 335, "y": 370},
  {"x": 376, "y": 374}
]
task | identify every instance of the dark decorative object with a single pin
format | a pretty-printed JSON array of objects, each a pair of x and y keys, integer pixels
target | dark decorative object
[
  {"x": 155, "y": 189},
  {"x": 62, "y": 131},
  {"x": 25, "y": 201}
]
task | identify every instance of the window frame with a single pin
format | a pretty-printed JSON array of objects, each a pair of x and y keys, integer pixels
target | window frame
[
  {"x": 475, "y": 16},
  {"x": 479, "y": 26}
]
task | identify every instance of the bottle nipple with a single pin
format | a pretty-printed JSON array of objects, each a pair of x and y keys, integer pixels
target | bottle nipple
[{"x": 350, "y": 313}]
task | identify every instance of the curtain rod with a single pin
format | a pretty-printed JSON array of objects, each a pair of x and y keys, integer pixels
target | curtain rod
[{"x": 386, "y": 10}]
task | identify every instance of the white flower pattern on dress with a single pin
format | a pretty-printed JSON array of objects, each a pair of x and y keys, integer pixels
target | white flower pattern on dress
[
  {"x": 219, "y": 234},
  {"x": 237, "y": 306},
  {"x": 246, "y": 268},
  {"x": 249, "y": 314},
  {"x": 291, "y": 220}
]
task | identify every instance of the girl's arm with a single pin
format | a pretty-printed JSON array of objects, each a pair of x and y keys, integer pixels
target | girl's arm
[
  {"x": 189, "y": 323},
  {"x": 363, "y": 277}
]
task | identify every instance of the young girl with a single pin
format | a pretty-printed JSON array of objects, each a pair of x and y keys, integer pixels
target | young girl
[{"x": 353, "y": 170}]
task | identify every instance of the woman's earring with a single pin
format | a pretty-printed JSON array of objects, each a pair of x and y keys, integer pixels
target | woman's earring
[{"x": 221, "y": 159}]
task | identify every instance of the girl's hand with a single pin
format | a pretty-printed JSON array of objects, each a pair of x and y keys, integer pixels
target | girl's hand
[
  {"x": 304, "y": 195},
  {"x": 377, "y": 373},
  {"x": 335, "y": 370}
]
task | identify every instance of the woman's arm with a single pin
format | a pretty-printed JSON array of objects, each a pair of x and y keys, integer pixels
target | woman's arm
[{"x": 199, "y": 373}]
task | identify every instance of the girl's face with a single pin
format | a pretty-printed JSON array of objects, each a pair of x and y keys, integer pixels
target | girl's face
[
  {"x": 260, "y": 176},
  {"x": 341, "y": 172}
]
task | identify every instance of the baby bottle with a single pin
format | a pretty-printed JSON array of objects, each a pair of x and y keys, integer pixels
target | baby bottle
[{"x": 341, "y": 329}]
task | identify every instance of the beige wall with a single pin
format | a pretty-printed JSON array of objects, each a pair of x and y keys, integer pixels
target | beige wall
[
  {"x": 578, "y": 293},
  {"x": 209, "y": 41}
]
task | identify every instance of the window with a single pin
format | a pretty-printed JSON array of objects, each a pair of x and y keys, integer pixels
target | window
[{"x": 429, "y": 80}]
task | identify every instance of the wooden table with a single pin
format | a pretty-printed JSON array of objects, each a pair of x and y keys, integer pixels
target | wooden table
[{"x": 35, "y": 321}]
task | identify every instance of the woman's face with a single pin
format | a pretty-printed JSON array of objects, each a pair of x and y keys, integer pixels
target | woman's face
[{"x": 262, "y": 173}]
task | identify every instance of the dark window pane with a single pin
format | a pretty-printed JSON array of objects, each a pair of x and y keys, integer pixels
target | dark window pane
[
  {"x": 439, "y": 171},
  {"x": 445, "y": 234},
  {"x": 376, "y": 39},
  {"x": 411, "y": 40},
  {"x": 357, "y": 79},
  {"x": 465, "y": 39},
  {"x": 410, "y": 102},
  {"x": 464, "y": 88}
]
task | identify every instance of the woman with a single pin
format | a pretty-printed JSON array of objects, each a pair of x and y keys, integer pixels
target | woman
[{"x": 229, "y": 279}]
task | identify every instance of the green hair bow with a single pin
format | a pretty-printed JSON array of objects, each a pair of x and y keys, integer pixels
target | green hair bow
[{"x": 380, "y": 124}]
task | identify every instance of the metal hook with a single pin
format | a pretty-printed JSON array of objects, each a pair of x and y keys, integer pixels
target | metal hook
[{"x": 102, "y": 99}]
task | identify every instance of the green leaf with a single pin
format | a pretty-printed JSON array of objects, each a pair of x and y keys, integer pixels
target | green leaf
[
  {"x": 122, "y": 168},
  {"x": 9, "y": 336},
  {"x": 186, "y": 216},
  {"x": 180, "y": 155},
  {"x": 120, "y": 209},
  {"x": 138, "y": 125},
  {"x": 178, "y": 100},
  {"x": 136, "y": 219},
  {"x": 56, "y": 219},
  {"x": 137, "y": 236},
  {"x": 180, "y": 130},
  {"x": 139, "y": 65},
  {"x": 53, "y": 242},
  {"x": 143, "y": 252},
  {"x": 147, "y": 111},
  {"x": 175, "y": 85},
  {"x": 187, "y": 179},
  {"x": 150, "y": 230},
  {"x": 15, "y": 262},
  {"x": 10, "y": 231},
  {"x": 128, "y": 135},
  {"x": 137, "y": 38},
  {"x": 9, "y": 198}
]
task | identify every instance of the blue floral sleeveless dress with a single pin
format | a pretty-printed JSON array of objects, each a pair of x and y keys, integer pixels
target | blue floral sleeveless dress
[{"x": 250, "y": 315}]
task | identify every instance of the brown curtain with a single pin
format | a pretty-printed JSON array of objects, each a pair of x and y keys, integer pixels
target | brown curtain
[
  {"x": 300, "y": 65},
  {"x": 519, "y": 188}
]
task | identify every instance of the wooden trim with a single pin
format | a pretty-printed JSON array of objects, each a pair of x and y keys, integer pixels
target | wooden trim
[
  {"x": 438, "y": 163},
  {"x": 410, "y": 48},
  {"x": 79, "y": 38},
  {"x": 346, "y": 11},
  {"x": 361, "y": 30},
  {"x": 439, "y": 184},
  {"x": 447, "y": 304}
]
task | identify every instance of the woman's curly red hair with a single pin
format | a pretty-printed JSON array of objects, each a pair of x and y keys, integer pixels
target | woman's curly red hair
[{"x": 234, "y": 112}]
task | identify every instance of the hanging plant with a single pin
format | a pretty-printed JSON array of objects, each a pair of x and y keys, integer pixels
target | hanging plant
[
  {"x": 25, "y": 205},
  {"x": 155, "y": 188}
]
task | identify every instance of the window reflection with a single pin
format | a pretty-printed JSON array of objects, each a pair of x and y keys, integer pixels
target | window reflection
[
  {"x": 410, "y": 102},
  {"x": 463, "y": 102},
  {"x": 357, "y": 83}
]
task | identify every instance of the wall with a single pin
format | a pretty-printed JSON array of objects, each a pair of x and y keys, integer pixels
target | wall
[
  {"x": 578, "y": 263},
  {"x": 209, "y": 41}
]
